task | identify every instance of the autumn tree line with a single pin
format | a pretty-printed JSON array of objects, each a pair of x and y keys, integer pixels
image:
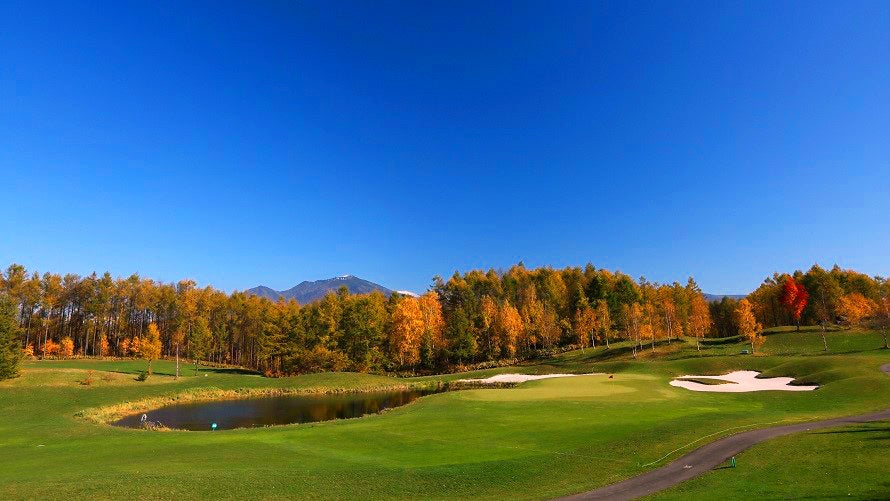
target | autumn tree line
[
  {"x": 469, "y": 318},
  {"x": 835, "y": 298}
]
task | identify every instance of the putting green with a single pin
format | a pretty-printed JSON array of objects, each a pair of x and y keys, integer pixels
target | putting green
[{"x": 574, "y": 388}]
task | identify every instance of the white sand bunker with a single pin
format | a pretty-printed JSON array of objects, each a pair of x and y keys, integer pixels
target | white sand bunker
[
  {"x": 517, "y": 378},
  {"x": 740, "y": 382}
]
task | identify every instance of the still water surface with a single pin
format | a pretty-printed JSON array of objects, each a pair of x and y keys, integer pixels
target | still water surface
[{"x": 265, "y": 411}]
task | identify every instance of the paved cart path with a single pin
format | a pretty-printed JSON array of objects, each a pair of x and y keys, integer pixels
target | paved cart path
[{"x": 710, "y": 456}]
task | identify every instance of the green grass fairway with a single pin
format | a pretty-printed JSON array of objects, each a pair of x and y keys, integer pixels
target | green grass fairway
[
  {"x": 849, "y": 463},
  {"x": 541, "y": 439}
]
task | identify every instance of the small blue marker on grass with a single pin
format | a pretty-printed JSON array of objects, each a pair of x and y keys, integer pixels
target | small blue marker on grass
[{"x": 213, "y": 427}]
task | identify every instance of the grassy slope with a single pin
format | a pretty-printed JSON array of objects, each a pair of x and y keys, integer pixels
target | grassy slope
[{"x": 539, "y": 440}]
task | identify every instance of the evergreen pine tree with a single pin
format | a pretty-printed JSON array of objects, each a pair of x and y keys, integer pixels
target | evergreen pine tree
[{"x": 10, "y": 350}]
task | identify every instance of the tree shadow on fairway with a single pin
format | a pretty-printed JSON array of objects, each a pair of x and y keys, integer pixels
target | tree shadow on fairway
[
  {"x": 824, "y": 496},
  {"x": 720, "y": 341},
  {"x": 186, "y": 370},
  {"x": 665, "y": 349},
  {"x": 880, "y": 433},
  {"x": 831, "y": 351},
  {"x": 602, "y": 354},
  {"x": 240, "y": 371}
]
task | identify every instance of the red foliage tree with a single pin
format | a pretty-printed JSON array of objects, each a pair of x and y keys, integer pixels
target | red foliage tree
[{"x": 794, "y": 298}]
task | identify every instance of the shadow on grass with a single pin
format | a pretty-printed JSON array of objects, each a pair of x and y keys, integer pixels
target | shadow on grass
[
  {"x": 229, "y": 370},
  {"x": 790, "y": 329},
  {"x": 883, "y": 432},
  {"x": 186, "y": 371},
  {"x": 830, "y": 352},
  {"x": 721, "y": 341},
  {"x": 615, "y": 358}
]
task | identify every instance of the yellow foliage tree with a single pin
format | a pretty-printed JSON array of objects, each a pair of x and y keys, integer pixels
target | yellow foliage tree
[
  {"x": 406, "y": 331},
  {"x": 532, "y": 312},
  {"x": 647, "y": 333},
  {"x": 749, "y": 327},
  {"x": 584, "y": 325},
  {"x": 549, "y": 328},
  {"x": 649, "y": 329},
  {"x": 432, "y": 342},
  {"x": 633, "y": 314},
  {"x": 669, "y": 310},
  {"x": 103, "y": 346},
  {"x": 150, "y": 345},
  {"x": 603, "y": 320},
  {"x": 699, "y": 318},
  {"x": 28, "y": 351},
  {"x": 433, "y": 321},
  {"x": 509, "y": 329},
  {"x": 177, "y": 339},
  {"x": 854, "y": 307},
  {"x": 489, "y": 325}
]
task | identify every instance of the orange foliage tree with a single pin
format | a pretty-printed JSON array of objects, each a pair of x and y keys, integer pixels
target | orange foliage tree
[
  {"x": 794, "y": 298},
  {"x": 50, "y": 349},
  {"x": 66, "y": 347},
  {"x": 134, "y": 346},
  {"x": 884, "y": 312}
]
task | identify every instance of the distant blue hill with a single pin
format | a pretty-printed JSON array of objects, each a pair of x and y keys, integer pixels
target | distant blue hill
[
  {"x": 307, "y": 292},
  {"x": 716, "y": 298}
]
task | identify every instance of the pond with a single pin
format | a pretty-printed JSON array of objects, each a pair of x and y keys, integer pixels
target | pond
[{"x": 266, "y": 411}]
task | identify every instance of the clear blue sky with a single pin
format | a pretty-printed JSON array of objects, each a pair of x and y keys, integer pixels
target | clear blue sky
[{"x": 272, "y": 142}]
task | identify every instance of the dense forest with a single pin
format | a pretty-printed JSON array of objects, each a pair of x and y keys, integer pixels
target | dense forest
[{"x": 468, "y": 319}]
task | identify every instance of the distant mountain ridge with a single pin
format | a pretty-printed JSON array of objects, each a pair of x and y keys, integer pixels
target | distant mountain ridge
[
  {"x": 716, "y": 298},
  {"x": 307, "y": 292}
]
